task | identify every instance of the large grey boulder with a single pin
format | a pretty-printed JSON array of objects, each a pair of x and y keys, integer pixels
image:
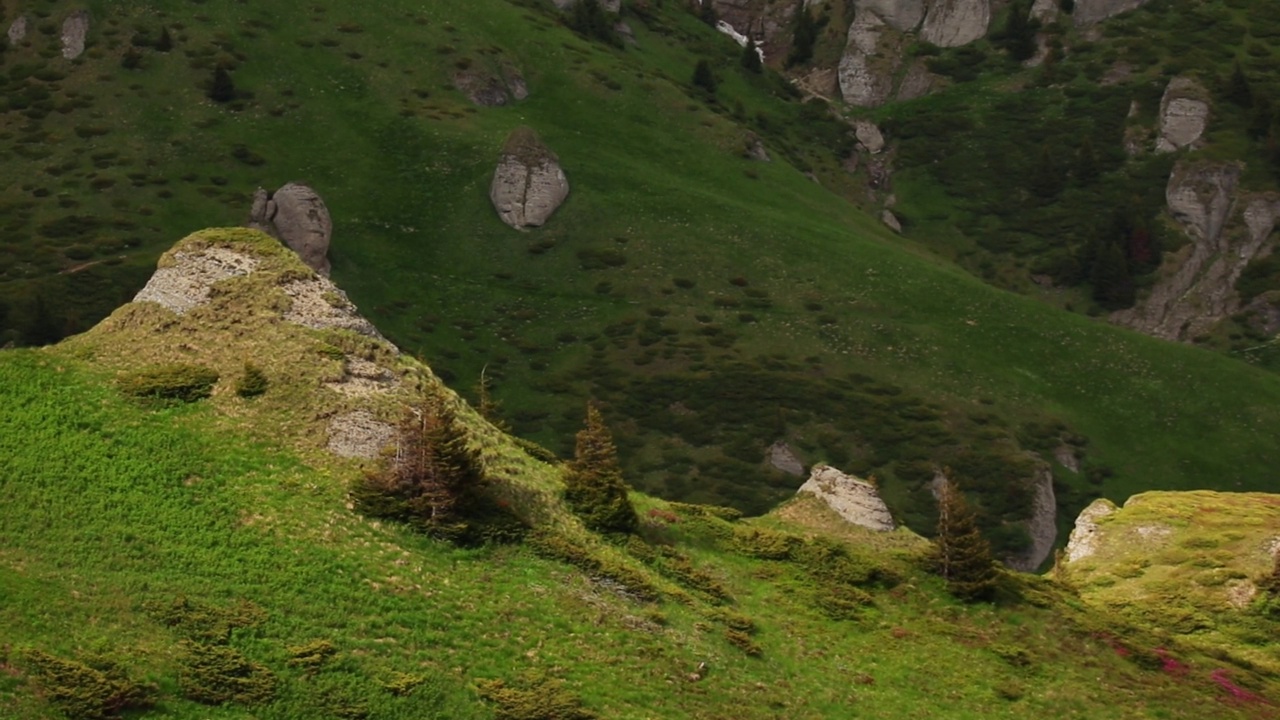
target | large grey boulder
[
  {"x": 1087, "y": 535},
  {"x": 1042, "y": 527},
  {"x": 18, "y": 30},
  {"x": 1088, "y": 12},
  {"x": 1184, "y": 115},
  {"x": 74, "y": 30},
  {"x": 855, "y": 500},
  {"x": 869, "y": 136},
  {"x": 1046, "y": 11},
  {"x": 952, "y": 23},
  {"x": 529, "y": 184},
  {"x": 298, "y": 217}
]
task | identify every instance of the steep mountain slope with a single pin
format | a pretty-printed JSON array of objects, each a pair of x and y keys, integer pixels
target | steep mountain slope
[
  {"x": 714, "y": 302},
  {"x": 206, "y": 550}
]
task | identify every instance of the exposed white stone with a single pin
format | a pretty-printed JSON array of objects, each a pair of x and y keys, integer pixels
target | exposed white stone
[
  {"x": 1087, "y": 534},
  {"x": 952, "y": 23},
  {"x": 359, "y": 435},
  {"x": 18, "y": 30},
  {"x": 1088, "y": 12},
  {"x": 901, "y": 15},
  {"x": 1184, "y": 115},
  {"x": 869, "y": 135},
  {"x": 74, "y": 30},
  {"x": 782, "y": 457},
  {"x": 857, "y": 501},
  {"x": 888, "y": 218},
  {"x": 186, "y": 283}
]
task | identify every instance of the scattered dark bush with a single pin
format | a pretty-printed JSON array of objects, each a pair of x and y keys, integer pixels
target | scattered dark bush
[
  {"x": 217, "y": 674},
  {"x": 533, "y": 697},
  {"x": 252, "y": 383},
  {"x": 176, "y": 381},
  {"x": 92, "y": 690}
]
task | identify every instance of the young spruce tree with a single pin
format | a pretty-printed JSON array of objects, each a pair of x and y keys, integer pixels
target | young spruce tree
[
  {"x": 962, "y": 556},
  {"x": 594, "y": 487}
]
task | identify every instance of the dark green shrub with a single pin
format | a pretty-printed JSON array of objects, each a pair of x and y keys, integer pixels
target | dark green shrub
[
  {"x": 176, "y": 381},
  {"x": 252, "y": 383},
  {"x": 202, "y": 622},
  {"x": 88, "y": 691},
  {"x": 840, "y": 602},
  {"x": 312, "y": 656},
  {"x": 765, "y": 544},
  {"x": 743, "y": 642},
  {"x": 216, "y": 674},
  {"x": 533, "y": 697}
]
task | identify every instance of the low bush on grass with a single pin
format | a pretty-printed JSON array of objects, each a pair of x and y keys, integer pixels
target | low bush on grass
[
  {"x": 98, "y": 688},
  {"x": 174, "y": 381}
]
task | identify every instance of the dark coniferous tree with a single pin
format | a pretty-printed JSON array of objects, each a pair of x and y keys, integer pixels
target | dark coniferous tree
[
  {"x": 1085, "y": 171},
  {"x": 1046, "y": 178},
  {"x": 165, "y": 42},
  {"x": 803, "y": 38},
  {"x": 594, "y": 488},
  {"x": 704, "y": 78},
  {"x": 1238, "y": 91},
  {"x": 751, "y": 57},
  {"x": 1019, "y": 36},
  {"x": 962, "y": 556},
  {"x": 1111, "y": 279}
]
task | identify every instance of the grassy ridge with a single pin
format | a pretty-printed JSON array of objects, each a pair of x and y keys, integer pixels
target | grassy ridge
[
  {"x": 675, "y": 263},
  {"x": 109, "y": 508}
]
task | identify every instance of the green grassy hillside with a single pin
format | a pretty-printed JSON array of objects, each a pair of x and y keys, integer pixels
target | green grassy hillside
[
  {"x": 714, "y": 304},
  {"x": 189, "y": 549}
]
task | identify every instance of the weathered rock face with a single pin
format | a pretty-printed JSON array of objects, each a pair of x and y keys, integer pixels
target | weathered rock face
[
  {"x": 866, "y": 75},
  {"x": 18, "y": 30},
  {"x": 952, "y": 23},
  {"x": 890, "y": 220},
  {"x": 1043, "y": 525},
  {"x": 1184, "y": 115},
  {"x": 1088, "y": 12},
  {"x": 74, "y": 30},
  {"x": 187, "y": 282},
  {"x": 1087, "y": 534},
  {"x": 857, "y": 501},
  {"x": 529, "y": 184},
  {"x": 1197, "y": 286},
  {"x": 783, "y": 458},
  {"x": 298, "y": 217}
]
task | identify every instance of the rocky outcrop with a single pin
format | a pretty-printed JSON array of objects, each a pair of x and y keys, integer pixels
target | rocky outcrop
[
  {"x": 1043, "y": 525},
  {"x": 857, "y": 501},
  {"x": 1184, "y": 115},
  {"x": 866, "y": 69},
  {"x": 74, "y": 30},
  {"x": 901, "y": 15},
  {"x": 1089, "y": 12},
  {"x": 359, "y": 435},
  {"x": 18, "y": 30},
  {"x": 1087, "y": 534},
  {"x": 952, "y": 23},
  {"x": 1197, "y": 285},
  {"x": 783, "y": 458},
  {"x": 297, "y": 216},
  {"x": 187, "y": 282},
  {"x": 890, "y": 220},
  {"x": 529, "y": 184}
]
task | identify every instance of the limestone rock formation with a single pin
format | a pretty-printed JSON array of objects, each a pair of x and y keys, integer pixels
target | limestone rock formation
[
  {"x": 1089, "y": 12},
  {"x": 529, "y": 184},
  {"x": 1184, "y": 115},
  {"x": 782, "y": 457},
  {"x": 74, "y": 30},
  {"x": 888, "y": 218},
  {"x": 857, "y": 501},
  {"x": 865, "y": 80},
  {"x": 952, "y": 23},
  {"x": 901, "y": 15},
  {"x": 1197, "y": 286},
  {"x": 1043, "y": 525},
  {"x": 187, "y": 282},
  {"x": 298, "y": 217},
  {"x": 1087, "y": 534},
  {"x": 18, "y": 30},
  {"x": 359, "y": 434}
]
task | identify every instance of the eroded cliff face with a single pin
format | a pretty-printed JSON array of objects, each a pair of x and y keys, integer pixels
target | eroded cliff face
[
  {"x": 1227, "y": 229},
  {"x": 1089, "y": 12}
]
